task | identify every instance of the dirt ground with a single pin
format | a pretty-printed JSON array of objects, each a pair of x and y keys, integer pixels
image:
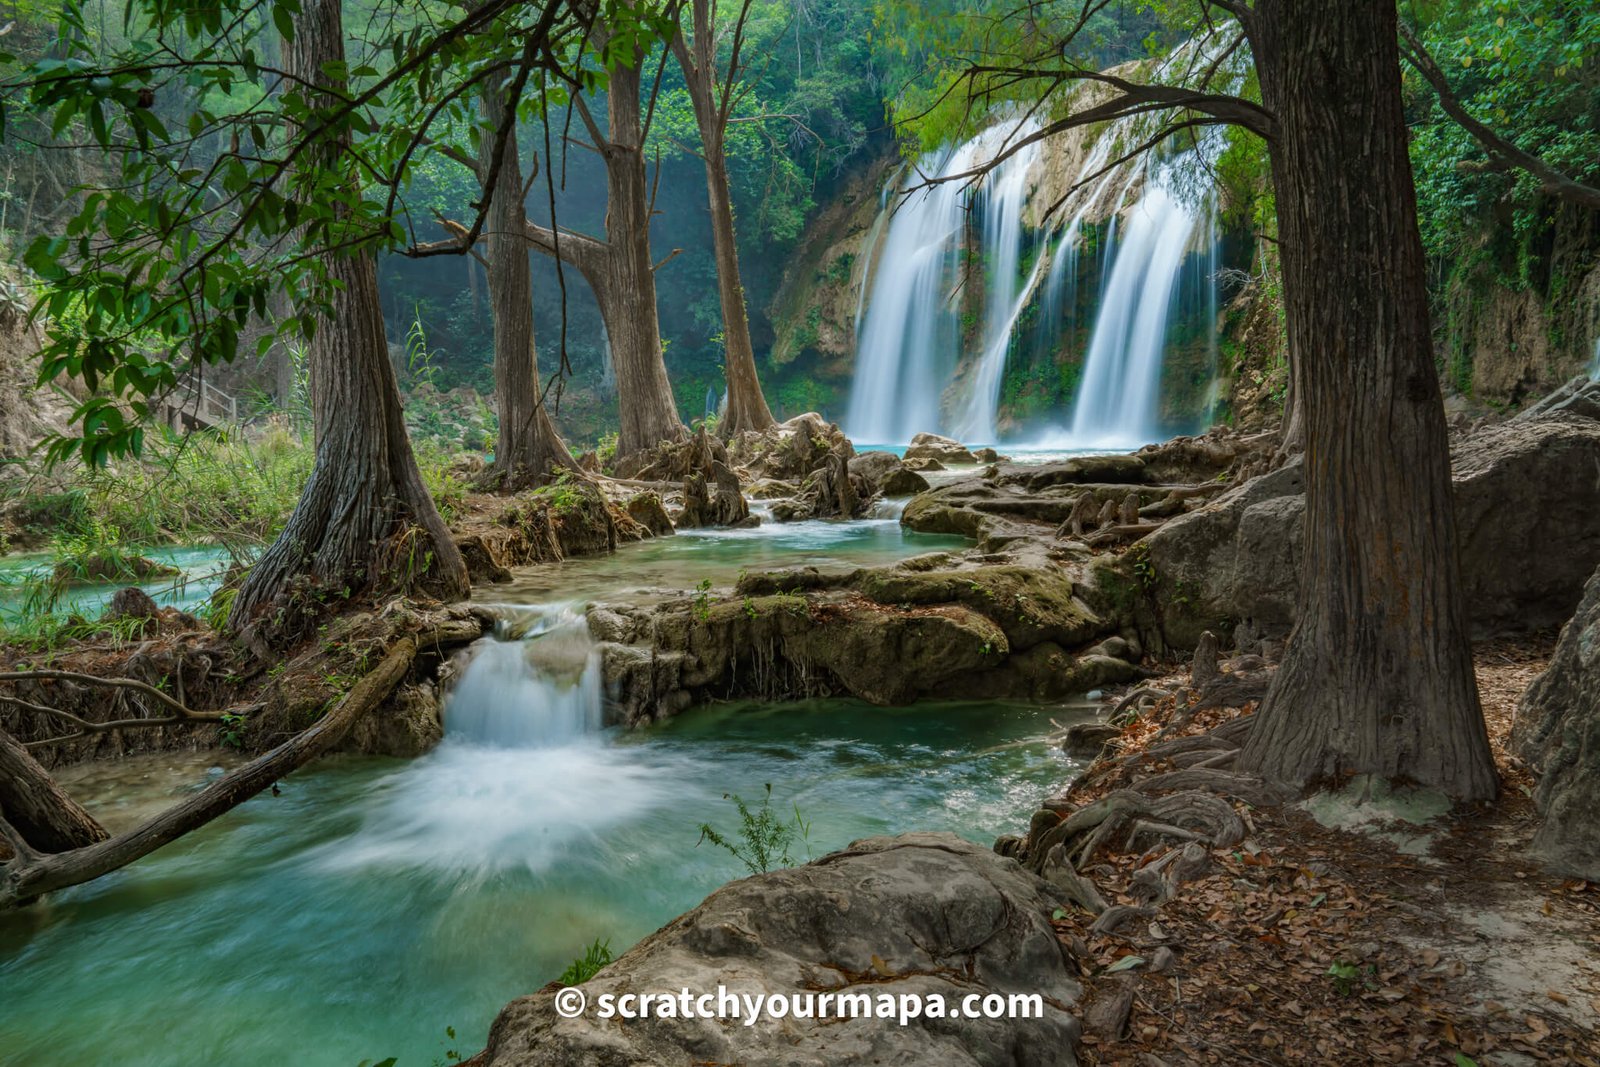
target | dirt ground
[{"x": 1357, "y": 938}]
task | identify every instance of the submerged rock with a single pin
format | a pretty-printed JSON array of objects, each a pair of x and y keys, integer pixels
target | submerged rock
[{"x": 918, "y": 915}]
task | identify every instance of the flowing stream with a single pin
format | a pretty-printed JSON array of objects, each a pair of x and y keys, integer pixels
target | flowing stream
[{"x": 376, "y": 902}]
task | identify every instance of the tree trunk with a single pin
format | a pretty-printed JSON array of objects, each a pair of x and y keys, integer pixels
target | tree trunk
[
  {"x": 628, "y": 294},
  {"x": 528, "y": 442},
  {"x": 38, "y": 809},
  {"x": 747, "y": 407},
  {"x": 1377, "y": 677},
  {"x": 351, "y": 528}
]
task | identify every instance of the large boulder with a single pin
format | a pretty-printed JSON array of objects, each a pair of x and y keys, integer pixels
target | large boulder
[
  {"x": 886, "y": 473},
  {"x": 1558, "y": 733},
  {"x": 1526, "y": 494},
  {"x": 926, "y": 446},
  {"x": 916, "y": 916},
  {"x": 1527, "y": 502}
]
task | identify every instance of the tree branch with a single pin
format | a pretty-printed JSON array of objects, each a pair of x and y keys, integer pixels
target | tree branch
[
  {"x": 1551, "y": 180},
  {"x": 183, "y": 711}
]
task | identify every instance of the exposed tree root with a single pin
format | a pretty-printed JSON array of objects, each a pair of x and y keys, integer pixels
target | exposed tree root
[{"x": 31, "y": 873}]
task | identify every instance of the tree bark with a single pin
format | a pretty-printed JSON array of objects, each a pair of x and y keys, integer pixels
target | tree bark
[
  {"x": 619, "y": 269},
  {"x": 644, "y": 395},
  {"x": 1377, "y": 677},
  {"x": 747, "y": 407},
  {"x": 37, "y": 808},
  {"x": 528, "y": 442},
  {"x": 27, "y": 877},
  {"x": 365, "y": 491}
]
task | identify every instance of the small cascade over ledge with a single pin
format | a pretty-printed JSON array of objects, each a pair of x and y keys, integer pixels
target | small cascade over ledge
[{"x": 536, "y": 691}]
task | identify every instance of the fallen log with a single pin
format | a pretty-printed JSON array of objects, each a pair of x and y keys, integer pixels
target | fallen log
[
  {"x": 30, "y": 873},
  {"x": 43, "y": 816}
]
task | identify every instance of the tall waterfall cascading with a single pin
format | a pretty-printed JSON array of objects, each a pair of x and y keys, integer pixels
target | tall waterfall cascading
[
  {"x": 907, "y": 340},
  {"x": 1156, "y": 222},
  {"x": 1001, "y": 199},
  {"x": 1117, "y": 402}
]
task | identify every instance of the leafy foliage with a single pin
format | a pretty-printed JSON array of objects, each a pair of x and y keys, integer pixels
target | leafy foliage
[
  {"x": 764, "y": 838},
  {"x": 586, "y": 966}
]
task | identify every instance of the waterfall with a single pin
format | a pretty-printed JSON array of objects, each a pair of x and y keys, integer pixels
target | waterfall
[
  {"x": 1153, "y": 211},
  {"x": 1002, "y": 198},
  {"x": 1594, "y": 364},
  {"x": 905, "y": 349},
  {"x": 537, "y": 692},
  {"x": 1117, "y": 404}
]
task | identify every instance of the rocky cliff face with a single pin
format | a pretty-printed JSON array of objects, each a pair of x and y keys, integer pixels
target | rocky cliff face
[{"x": 1504, "y": 344}]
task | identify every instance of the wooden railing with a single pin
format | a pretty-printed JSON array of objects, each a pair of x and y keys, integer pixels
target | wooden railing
[{"x": 203, "y": 404}]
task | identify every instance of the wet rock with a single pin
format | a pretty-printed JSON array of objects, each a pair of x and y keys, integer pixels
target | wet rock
[
  {"x": 647, "y": 510},
  {"x": 925, "y": 466},
  {"x": 940, "y": 449},
  {"x": 989, "y": 455},
  {"x": 482, "y": 565},
  {"x": 903, "y": 481},
  {"x": 886, "y": 473},
  {"x": 406, "y": 725},
  {"x": 915, "y": 914}
]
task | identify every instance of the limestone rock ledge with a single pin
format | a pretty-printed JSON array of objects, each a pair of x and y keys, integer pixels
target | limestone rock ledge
[{"x": 921, "y": 913}]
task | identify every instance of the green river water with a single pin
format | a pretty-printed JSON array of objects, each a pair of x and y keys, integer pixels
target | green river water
[{"x": 377, "y": 902}]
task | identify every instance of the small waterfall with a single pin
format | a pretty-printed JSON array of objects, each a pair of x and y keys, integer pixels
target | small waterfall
[
  {"x": 536, "y": 692},
  {"x": 1594, "y": 364}
]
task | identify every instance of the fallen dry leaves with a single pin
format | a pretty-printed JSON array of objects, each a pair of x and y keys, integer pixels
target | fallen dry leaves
[{"x": 1312, "y": 945}]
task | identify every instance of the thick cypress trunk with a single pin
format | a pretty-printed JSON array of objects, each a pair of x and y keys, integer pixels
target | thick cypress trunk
[
  {"x": 747, "y": 407},
  {"x": 1377, "y": 677},
  {"x": 365, "y": 518},
  {"x": 528, "y": 442},
  {"x": 36, "y": 807},
  {"x": 628, "y": 294}
]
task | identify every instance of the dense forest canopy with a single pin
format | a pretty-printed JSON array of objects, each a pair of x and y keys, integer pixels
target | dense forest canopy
[{"x": 822, "y": 91}]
